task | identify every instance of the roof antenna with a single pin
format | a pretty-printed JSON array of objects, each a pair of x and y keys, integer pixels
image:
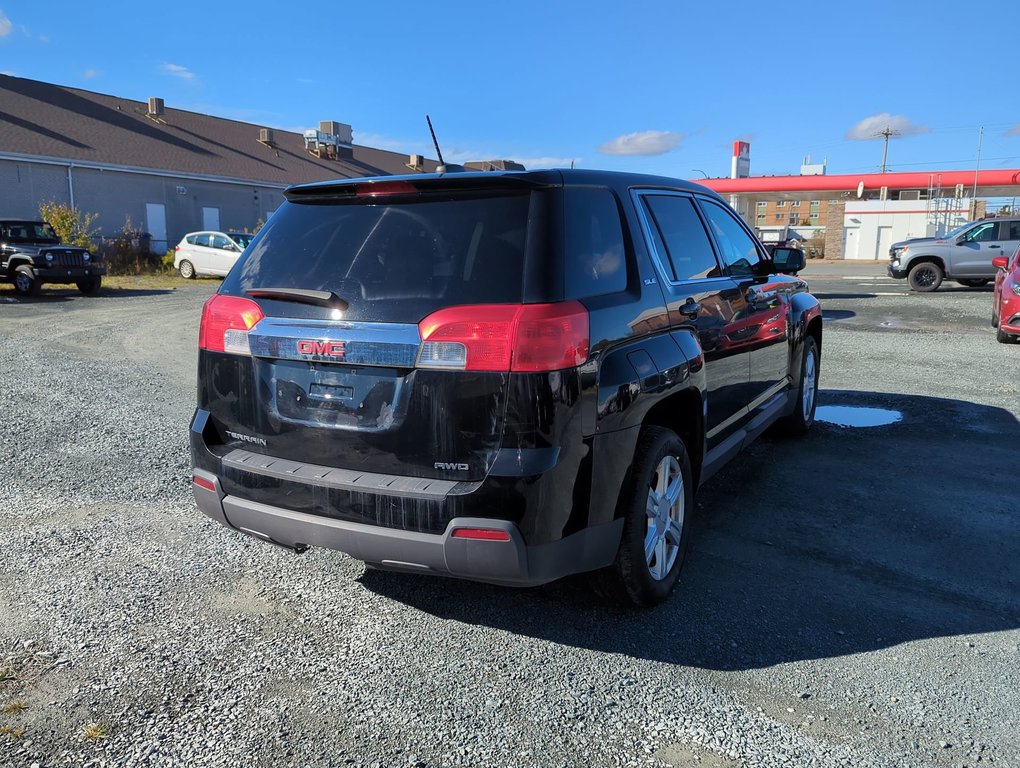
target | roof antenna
[{"x": 441, "y": 168}]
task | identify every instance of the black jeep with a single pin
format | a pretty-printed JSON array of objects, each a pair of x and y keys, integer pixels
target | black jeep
[
  {"x": 31, "y": 254},
  {"x": 506, "y": 377}
]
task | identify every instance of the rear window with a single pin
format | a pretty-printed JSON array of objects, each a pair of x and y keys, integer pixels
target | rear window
[
  {"x": 595, "y": 259},
  {"x": 397, "y": 261}
]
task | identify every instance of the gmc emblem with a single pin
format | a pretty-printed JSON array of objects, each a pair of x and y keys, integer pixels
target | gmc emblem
[{"x": 335, "y": 349}]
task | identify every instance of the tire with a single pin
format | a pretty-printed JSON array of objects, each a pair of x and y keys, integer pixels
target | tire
[
  {"x": 974, "y": 282},
  {"x": 25, "y": 281},
  {"x": 995, "y": 318},
  {"x": 187, "y": 269},
  {"x": 925, "y": 276},
  {"x": 803, "y": 415},
  {"x": 90, "y": 285},
  {"x": 656, "y": 503},
  {"x": 1004, "y": 338}
]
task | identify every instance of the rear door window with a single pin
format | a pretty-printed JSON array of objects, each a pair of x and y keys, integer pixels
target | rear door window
[
  {"x": 680, "y": 236},
  {"x": 595, "y": 255},
  {"x": 1012, "y": 230},
  {"x": 220, "y": 241},
  {"x": 202, "y": 239},
  {"x": 396, "y": 259}
]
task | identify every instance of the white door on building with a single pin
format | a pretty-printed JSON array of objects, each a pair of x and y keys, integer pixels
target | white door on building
[
  {"x": 851, "y": 242},
  {"x": 884, "y": 241},
  {"x": 211, "y": 219},
  {"x": 155, "y": 224}
]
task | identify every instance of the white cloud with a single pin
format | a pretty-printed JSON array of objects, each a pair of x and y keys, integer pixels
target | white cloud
[
  {"x": 642, "y": 143},
  {"x": 5, "y": 25},
  {"x": 88, "y": 74},
  {"x": 178, "y": 71},
  {"x": 869, "y": 127}
]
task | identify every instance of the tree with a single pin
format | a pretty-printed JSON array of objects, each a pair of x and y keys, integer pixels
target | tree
[{"x": 75, "y": 227}]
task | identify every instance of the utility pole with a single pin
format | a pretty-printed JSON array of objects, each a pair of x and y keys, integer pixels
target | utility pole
[
  {"x": 886, "y": 134},
  {"x": 977, "y": 164}
]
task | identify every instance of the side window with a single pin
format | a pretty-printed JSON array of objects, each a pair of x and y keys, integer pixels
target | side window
[
  {"x": 191, "y": 239},
  {"x": 219, "y": 241},
  {"x": 1013, "y": 232},
  {"x": 202, "y": 239},
  {"x": 983, "y": 233},
  {"x": 681, "y": 237},
  {"x": 595, "y": 258},
  {"x": 739, "y": 251}
]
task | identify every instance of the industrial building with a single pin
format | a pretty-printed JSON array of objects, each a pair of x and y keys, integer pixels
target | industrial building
[{"x": 167, "y": 171}]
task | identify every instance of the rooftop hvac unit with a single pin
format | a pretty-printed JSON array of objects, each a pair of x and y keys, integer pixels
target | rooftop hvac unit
[
  {"x": 416, "y": 162},
  {"x": 266, "y": 136},
  {"x": 156, "y": 108},
  {"x": 343, "y": 132},
  {"x": 910, "y": 194}
]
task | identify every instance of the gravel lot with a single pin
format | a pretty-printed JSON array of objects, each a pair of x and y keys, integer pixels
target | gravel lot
[{"x": 850, "y": 599}]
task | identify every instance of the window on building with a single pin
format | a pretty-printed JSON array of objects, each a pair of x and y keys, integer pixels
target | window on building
[
  {"x": 781, "y": 203},
  {"x": 794, "y": 217},
  {"x": 815, "y": 203},
  {"x": 761, "y": 218},
  {"x": 795, "y": 203},
  {"x": 762, "y": 204},
  {"x": 779, "y": 217},
  {"x": 813, "y": 215}
]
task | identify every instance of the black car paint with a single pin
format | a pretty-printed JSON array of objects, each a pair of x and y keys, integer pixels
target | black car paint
[{"x": 568, "y": 436}]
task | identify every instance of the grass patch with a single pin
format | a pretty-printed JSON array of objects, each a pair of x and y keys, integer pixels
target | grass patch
[
  {"x": 6, "y": 675},
  {"x": 96, "y": 731},
  {"x": 14, "y": 731},
  {"x": 14, "y": 707}
]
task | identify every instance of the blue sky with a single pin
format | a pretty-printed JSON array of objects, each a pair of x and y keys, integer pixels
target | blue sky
[{"x": 659, "y": 87}]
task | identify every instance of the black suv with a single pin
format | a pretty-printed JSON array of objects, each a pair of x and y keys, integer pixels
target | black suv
[
  {"x": 31, "y": 254},
  {"x": 506, "y": 377}
]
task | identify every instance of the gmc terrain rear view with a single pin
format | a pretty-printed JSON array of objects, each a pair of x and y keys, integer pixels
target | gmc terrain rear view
[{"x": 507, "y": 377}]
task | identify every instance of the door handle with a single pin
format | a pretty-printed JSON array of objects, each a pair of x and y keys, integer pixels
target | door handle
[
  {"x": 995, "y": 246},
  {"x": 690, "y": 309}
]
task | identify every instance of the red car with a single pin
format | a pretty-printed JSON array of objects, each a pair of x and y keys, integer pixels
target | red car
[{"x": 1006, "y": 299}]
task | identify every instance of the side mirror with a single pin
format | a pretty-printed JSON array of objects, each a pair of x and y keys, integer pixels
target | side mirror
[
  {"x": 1000, "y": 262},
  {"x": 788, "y": 261}
]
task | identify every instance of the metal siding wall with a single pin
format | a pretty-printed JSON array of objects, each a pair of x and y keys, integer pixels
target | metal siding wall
[
  {"x": 23, "y": 186},
  {"x": 117, "y": 197}
]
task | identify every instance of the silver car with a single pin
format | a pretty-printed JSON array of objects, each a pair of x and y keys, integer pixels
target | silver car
[
  {"x": 964, "y": 255},
  {"x": 209, "y": 253}
]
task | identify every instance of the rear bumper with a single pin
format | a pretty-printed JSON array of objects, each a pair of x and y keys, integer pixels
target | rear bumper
[{"x": 510, "y": 563}]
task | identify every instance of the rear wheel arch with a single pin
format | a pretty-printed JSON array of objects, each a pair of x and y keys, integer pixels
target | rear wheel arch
[{"x": 684, "y": 414}]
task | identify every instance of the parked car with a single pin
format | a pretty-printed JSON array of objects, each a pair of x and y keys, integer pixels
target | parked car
[
  {"x": 507, "y": 377},
  {"x": 964, "y": 255},
  {"x": 209, "y": 253},
  {"x": 31, "y": 254},
  {"x": 1006, "y": 299}
]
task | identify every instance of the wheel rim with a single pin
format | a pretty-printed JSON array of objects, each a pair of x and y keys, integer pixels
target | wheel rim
[
  {"x": 186, "y": 269},
  {"x": 926, "y": 277},
  {"x": 22, "y": 282},
  {"x": 809, "y": 383},
  {"x": 665, "y": 510}
]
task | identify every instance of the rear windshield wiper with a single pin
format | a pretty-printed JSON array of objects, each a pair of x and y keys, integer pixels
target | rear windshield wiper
[{"x": 302, "y": 295}]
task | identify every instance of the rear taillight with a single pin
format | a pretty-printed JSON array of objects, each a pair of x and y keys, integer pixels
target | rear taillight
[
  {"x": 177, "y": 248},
  {"x": 505, "y": 337},
  {"x": 226, "y": 321}
]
